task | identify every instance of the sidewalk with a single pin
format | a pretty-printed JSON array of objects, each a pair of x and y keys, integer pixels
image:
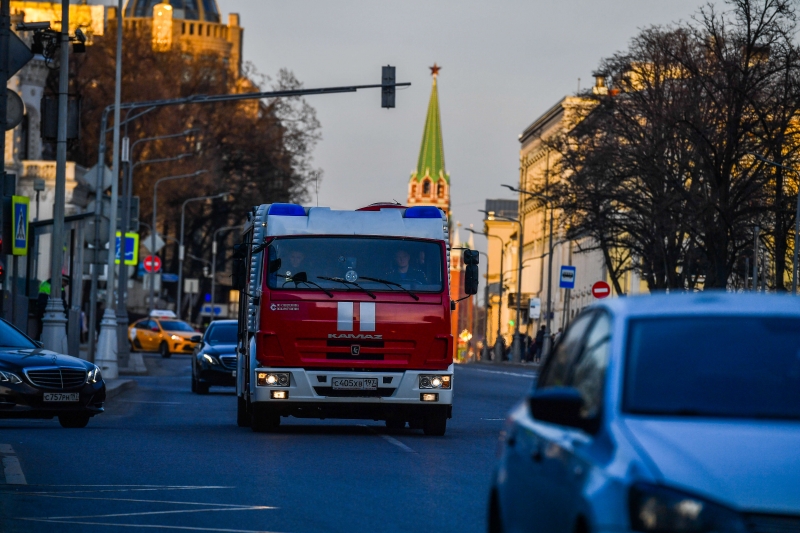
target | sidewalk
[{"x": 136, "y": 366}]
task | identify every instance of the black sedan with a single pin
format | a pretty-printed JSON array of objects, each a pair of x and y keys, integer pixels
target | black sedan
[
  {"x": 214, "y": 361},
  {"x": 37, "y": 383}
]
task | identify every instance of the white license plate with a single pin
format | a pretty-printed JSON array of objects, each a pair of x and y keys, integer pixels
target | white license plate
[
  {"x": 62, "y": 397},
  {"x": 355, "y": 383}
]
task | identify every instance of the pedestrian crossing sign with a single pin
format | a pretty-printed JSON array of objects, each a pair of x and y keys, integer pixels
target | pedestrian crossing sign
[{"x": 19, "y": 226}]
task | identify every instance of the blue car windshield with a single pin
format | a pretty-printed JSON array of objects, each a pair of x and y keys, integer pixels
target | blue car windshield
[
  {"x": 344, "y": 263},
  {"x": 10, "y": 337},
  {"x": 221, "y": 334},
  {"x": 729, "y": 367}
]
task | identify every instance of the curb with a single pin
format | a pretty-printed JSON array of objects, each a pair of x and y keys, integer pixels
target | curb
[{"x": 115, "y": 387}]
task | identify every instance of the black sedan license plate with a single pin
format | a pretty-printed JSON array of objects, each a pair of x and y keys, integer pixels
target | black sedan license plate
[
  {"x": 355, "y": 383},
  {"x": 62, "y": 397}
]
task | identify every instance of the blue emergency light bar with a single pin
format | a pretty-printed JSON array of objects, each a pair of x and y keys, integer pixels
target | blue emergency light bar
[
  {"x": 423, "y": 211},
  {"x": 287, "y": 210}
]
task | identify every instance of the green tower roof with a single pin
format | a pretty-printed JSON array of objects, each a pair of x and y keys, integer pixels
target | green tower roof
[{"x": 431, "y": 153}]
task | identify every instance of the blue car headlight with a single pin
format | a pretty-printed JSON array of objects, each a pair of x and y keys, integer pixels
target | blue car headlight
[
  {"x": 210, "y": 359},
  {"x": 9, "y": 377},
  {"x": 94, "y": 375},
  {"x": 656, "y": 509}
]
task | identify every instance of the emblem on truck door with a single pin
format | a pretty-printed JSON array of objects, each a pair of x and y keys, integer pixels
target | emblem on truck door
[{"x": 355, "y": 349}]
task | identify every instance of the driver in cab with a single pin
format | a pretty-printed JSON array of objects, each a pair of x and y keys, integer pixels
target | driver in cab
[{"x": 403, "y": 272}]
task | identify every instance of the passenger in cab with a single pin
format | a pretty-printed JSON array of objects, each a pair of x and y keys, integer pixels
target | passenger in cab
[{"x": 403, "y": 272}]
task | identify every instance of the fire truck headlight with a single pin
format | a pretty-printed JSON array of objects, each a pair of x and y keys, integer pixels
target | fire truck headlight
[
  {"x": 434, "y": 382},
  {"x": 272, "y": 379}
]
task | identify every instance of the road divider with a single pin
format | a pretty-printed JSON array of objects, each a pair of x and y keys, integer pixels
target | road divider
[{"x": 12, "y": 470}]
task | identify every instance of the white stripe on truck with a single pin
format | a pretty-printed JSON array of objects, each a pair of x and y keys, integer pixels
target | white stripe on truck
[
  {"x": 367, "y": 313},
  {"x": 344, "y": 317}
]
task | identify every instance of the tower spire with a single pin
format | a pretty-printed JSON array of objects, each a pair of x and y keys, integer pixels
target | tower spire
[{"x": 430, "y": 182}]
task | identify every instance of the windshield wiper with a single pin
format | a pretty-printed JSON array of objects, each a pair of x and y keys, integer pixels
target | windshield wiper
[
  {"x": 391, "y": 284},
  {"x": 302, "y": 277},
  {"x": 345, "y": 282}
]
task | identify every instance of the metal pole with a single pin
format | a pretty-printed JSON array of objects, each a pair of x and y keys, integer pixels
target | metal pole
[
  {"x": 54, "y": 322},
  {"x": 98, "y": 211},
  {"x": 498, "y": 354},
  {"x": 795, "y": 269},
  {"x": 517, "y": 339},
  {"x": 5, "y": 35},
  {"x": 107, "y": 344},
  {"x": 755, "y": 258},
  {"x": 547, "y": 330},
  {"x": 123, "y": 347}
]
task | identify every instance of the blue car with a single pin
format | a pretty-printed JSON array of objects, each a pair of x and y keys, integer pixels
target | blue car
[{"x": 675, "y": 413}]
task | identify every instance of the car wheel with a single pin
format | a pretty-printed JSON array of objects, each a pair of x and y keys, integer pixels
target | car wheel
[
  {"x": 263, "y": 420},
  {"x": 73, "y": 420},
  {"x": 242, "y": 416},
  {"x": 395, "y": 424},
  {"x": 163, "y": 349},
  {"x": 434, "y": 425}
]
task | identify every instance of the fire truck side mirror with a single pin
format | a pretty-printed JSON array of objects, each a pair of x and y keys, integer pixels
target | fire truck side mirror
[
  {"x": 471, "y": 279},
  {"x": 471, "y": 257},
  {"x": 238, "y": 273}
]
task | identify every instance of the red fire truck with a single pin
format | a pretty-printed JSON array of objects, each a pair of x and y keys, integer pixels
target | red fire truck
[{"x": 346, "y": 314}]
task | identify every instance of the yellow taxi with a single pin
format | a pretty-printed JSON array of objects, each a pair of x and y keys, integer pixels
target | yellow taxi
[{"x": 164, "y": 333}]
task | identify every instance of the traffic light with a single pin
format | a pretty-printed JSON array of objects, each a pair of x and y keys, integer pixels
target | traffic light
[{"x": 388, "y": 81}]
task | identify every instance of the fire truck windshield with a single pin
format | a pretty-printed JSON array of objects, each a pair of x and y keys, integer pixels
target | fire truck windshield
[{"x": 355, "y": 263}]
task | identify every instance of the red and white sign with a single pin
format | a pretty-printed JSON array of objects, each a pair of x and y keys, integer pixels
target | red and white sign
[
  {"x": 152, "y": 263},
  {"x": 601, "y": 289}
]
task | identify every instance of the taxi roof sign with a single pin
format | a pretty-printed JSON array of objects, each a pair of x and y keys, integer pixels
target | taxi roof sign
[{"x": 162, "y": 313}]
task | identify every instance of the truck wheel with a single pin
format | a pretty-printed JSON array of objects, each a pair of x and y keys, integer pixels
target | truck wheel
[
  {"x": 395, "y": 424},
  {"x": 264, "y": 420},
  {"x": 434, "y": 425},
  {"x": 242, "y": 416},
  {"x": 163, "y": 349}
]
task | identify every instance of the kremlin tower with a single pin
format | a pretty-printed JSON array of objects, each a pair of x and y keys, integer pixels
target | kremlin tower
[{"x": 430, "y": 185}]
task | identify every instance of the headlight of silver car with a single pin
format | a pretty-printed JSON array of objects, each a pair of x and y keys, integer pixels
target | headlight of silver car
[
  {"x": 9, "y": 377},
  {"x": 94, "y": 375},
  {"x": 655, "y": 509}
]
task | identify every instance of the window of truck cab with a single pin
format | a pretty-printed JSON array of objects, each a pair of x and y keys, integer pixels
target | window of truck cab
[{"x": 378, "y": 264}]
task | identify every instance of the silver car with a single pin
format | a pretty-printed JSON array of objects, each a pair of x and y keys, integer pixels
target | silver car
[{"x": 660, "y": 414}]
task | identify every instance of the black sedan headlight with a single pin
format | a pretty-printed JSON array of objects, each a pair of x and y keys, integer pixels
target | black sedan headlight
[
  {"x": 9, "y": 377},
  {"x": 655, "y": 509},
  {"x": 94, "y": 375}
]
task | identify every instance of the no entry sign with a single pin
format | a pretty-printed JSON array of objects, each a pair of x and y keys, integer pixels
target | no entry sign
[
  {"x": 152, "y": 263},
  {"x": 601, "y": 289}
]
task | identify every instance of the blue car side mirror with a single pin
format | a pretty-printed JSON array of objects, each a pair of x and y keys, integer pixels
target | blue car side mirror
[{"x": 562, "y": 406}]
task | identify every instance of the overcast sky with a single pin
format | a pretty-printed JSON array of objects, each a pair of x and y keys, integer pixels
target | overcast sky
[{"x": 504, "y": 63}]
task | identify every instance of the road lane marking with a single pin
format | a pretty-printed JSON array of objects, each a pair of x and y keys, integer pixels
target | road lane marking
[
  {"x": 160, "y": 403},
  {"x": 175, "y": 511},
  {"x": 12, "y": 471},
  {"x": 505, "y": 373},
  {"x": 149, "y": 526},
  {"x": 55, "y": 495},
  {"x": 389, "y": 439},
  {"x": 153, "y": 488}
]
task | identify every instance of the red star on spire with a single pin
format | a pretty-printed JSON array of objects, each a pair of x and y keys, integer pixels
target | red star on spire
[{"x": 435, "y": 70}]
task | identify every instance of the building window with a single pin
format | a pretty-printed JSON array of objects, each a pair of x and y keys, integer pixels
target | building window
[
  {"x": 183, "y": 28},
  {"x": 426, "y": 188},
  {"x": 440, "y": 189},
  {"x": 413, "y": 189},
  {"x": 208, "y": 30},
  {"x": 200, "y": 30},
  {"x": 191, "y": 29}
]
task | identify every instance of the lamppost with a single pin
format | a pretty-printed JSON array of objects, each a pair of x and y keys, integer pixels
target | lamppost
[
  {"x": 181, "y": 247},
  {"x": 546, "y": 201},
  {"x": 516, "y": 343},
  {"x": 796, "y": 222},
  {"x": 498, "y": 355},
  {"x": 153, "y": 228},
  {"x": 214, "y": 265},
  {"x": 122, "y": 308}
]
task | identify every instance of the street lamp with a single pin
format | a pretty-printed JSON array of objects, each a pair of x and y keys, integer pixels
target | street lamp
[
  {"x": 153, "y": 228},
  {"x": 214, "y": 265},
  {"x": 546, "y": 201},
  {"x": 181, "y": 247},
  {"x": 796, "y": 221},
  {"x": 122, "y": 308},
  {"x": 498, "y": 355},
  {"x": 516, "y": 344}
]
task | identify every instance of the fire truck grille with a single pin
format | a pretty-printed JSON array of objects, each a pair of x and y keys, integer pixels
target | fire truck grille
[
  {"x": 383, "y": 392},
  {"x": 360, "y": 357},
  {"x": 57, "y": 378}
]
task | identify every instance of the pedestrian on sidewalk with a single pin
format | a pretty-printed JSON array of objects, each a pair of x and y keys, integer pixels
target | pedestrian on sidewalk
[{"x": 539, "y": 345}]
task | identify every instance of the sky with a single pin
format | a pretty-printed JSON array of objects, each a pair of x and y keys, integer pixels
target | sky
[{"x": 504, "y": 63}]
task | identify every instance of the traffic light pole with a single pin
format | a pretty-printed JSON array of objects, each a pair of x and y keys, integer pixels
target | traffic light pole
[{"x": 5, "y": 34}]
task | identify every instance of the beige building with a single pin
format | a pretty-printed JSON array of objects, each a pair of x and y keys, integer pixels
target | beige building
[{"x": 501, "y": 248}]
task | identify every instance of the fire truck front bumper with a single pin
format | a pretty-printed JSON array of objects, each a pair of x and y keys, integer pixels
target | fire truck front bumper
[{"x": 411, "y": 388}]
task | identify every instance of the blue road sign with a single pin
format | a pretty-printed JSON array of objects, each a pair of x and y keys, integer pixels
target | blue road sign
[
  {"x": 567, "y": 277},
  {"x": 19, "y": 224},
  {"x": 131, "y": 248}
]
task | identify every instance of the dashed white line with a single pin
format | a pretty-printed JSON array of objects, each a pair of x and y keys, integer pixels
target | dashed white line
[
  {"x": 397, "y": 443},
  {"x": 147, "y": 526},
  {"x": 12, "y": 471},
  {"x": 175, "y": 511}
]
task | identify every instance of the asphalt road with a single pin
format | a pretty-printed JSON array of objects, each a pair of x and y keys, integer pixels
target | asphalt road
[{"x": 162, "y": 459}]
